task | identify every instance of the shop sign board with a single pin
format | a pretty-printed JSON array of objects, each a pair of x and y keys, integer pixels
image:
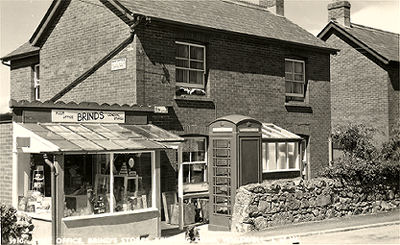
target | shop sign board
[
  {"x": 86, "y": 116},
  {"x": 161, "y": 109}
]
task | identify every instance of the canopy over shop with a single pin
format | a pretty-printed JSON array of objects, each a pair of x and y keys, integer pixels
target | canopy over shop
[{"x": 106, "y": 181}]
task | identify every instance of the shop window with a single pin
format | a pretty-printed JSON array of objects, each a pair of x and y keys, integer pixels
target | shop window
[
  {"x": 194, "y": 158},
  {"x": 190, "y": 65},
  {"x": 34, "y": 184},
  {"x": 36, "y": 82},
  {"x": 294, "y": 79},
  {"x": 88, "y": 180},
  {"x": 280, "y": 156}
]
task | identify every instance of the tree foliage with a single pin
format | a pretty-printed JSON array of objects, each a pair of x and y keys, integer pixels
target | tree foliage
[
  {"x": 15, "y": 228},
  {"x": 364, "y": 162}
]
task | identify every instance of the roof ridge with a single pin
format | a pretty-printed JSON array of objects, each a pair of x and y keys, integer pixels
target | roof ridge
[{"x": 373, "y": 29}]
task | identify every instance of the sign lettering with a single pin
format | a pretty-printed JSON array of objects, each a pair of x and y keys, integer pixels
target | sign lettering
[{"x": 81, "y": 116}]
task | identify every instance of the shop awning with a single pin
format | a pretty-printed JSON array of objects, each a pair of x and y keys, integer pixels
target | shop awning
[
  {"x": 272, "y": 132},
  {"x": 90, "y": 137}
]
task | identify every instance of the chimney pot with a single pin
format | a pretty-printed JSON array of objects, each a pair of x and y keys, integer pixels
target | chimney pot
[{"x": 339, "y": 11}]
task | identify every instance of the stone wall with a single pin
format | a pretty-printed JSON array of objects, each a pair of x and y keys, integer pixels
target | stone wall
[{"x": 259, "y": 206}]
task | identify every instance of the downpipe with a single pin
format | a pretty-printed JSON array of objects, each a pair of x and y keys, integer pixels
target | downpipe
[{"x": 54, "y": 174}]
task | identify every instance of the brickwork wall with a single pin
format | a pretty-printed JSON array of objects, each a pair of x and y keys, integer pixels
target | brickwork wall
[
  {"x": 359, "y": 89},
  {"x": 6, "y": 163},
  {"x": 84, "y": 34},
  {"x": 244, "y": 77},
  {"x": 21, "y": 83},
  {"x": 394, "y": 98}
]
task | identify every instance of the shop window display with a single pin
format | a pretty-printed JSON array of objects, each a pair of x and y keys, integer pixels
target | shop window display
[
  {"x": 34, "y": 185},
  {"x": 89, "y": 178}
]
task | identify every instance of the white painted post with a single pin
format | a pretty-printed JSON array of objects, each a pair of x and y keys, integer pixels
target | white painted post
[
  {"x": 111, "y": 201},
  {"x": 180, "y": 188}
]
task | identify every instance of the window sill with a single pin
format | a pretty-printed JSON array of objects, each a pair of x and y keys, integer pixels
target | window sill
[
  {"x": 294, "y": 106},
  {"x": 282, "y": 170},
  {"x": 95, "y": 216},
  {"x": 194, "y": 101},
  {"x": 193, "y": 98}
]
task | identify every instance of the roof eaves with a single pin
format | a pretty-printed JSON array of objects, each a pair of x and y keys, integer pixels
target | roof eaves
[
  {"x": 20, "y": 56},
  {"x": 82, "y": 105},
  {"x": 338, "y": 28},
  {"x": 327, "y": 49},
  {"x": 46, "y": 20}
]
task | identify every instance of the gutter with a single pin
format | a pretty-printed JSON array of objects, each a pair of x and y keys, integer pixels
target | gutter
[
  {"x": 54, "y": 217},
  {"x": 5, "y": 63},
  {"x": 101, "y": 62}
]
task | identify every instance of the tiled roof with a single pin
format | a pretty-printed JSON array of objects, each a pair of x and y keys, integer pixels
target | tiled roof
[
  {"x": 24, "y": 49},
  {"x": 226, "y": 15},
  {"x": 383, "y": 42}
]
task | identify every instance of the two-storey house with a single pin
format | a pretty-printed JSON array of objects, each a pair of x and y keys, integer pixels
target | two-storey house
[{"x": 156, "y": 69}]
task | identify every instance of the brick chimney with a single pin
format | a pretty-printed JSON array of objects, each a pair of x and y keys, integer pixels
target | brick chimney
[
  {"x": 274, "y": 6},
  {"x": 339, "y": 11}
]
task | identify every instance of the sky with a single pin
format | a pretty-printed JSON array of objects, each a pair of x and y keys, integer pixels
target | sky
[{"x": 19, "y": 19}]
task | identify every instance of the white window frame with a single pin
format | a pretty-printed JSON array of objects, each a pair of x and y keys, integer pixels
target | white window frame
[
  {"x": 190, "y": 162},
  {"x": 192, "y": 69},
  {"x": 36, "y": 82},
  {"x": 293, "y": 81},
  {"x": 297, "y": 152}
]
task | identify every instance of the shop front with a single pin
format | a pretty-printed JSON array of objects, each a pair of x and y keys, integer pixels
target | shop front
[{"x": 90, "y": 182}]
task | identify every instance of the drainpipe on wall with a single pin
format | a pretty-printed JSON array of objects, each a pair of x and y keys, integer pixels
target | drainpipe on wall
[{"x": 53, "y": 198}]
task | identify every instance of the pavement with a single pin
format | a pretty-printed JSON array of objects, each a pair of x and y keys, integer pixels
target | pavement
[{"x": 288, "y": 234}]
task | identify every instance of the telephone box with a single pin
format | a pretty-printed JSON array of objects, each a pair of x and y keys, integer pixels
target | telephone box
[{"x": 234, "y": 160}]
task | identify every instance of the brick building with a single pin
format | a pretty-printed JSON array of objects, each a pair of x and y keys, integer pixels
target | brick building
[
  {"x": 364, "y": 74},
  {"x": 192, "y": 62}
]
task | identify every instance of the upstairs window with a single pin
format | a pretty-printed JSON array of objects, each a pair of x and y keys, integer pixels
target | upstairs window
[
  {"x": 295, "y": 79},
  {"x": 190, "y": 65},
  {"x": 36, "y": 82}
]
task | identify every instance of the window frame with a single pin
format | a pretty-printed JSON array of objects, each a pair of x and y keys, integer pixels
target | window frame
[
  {"x": 297, "y": 152},
  {"x": 191, "y": 85},
  {"x": 205, "y": 162},
  {"x": 298, "y": 95},
  {"x": 36, "y": 82}
]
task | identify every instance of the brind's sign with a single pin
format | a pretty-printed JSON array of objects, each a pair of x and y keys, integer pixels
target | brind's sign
[{"x": 80, "y": 116}]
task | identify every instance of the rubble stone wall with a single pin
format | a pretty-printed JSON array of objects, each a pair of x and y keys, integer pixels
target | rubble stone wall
[{"x": 259, "y": 206}]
